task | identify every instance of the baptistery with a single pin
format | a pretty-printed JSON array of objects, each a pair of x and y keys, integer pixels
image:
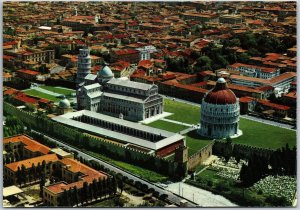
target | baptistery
[{"x": 220, "y": 111}]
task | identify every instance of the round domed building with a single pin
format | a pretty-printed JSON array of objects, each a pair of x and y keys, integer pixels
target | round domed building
[
  {"x": 64, "y": 106},
  {"x": 220, "y": 111}
]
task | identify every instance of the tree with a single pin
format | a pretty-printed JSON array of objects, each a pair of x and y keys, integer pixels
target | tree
[
  {"x": 23, "y": 174},
  {"x": 95, "y": 189},
  {"x": 85, "y": 191},
  {"x": 42, "y": 184},
  {"x": 204, "y": 63},
  {"x": 121, "y": 185},
  {"x": 243, "y": 58},
  {"x": 65, "y": 200},
  {"x": 75, "y": 195},
  {"x": 19, "y": 176}
]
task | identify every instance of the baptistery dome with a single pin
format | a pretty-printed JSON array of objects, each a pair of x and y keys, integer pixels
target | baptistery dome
[
  {"x": 220, "y": 111},
  {"x": 221, "y": 94}
]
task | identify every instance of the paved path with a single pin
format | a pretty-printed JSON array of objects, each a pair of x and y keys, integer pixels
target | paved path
[
  {"x": 176, "y": 122},
  {"x": 186, "y": 130},
  {"x": 46, "y": 91},
  {"x": 171, "y": 196},
  {"x": 201, "y": 197},
  {"x": 156, "y": 117},
  {"x": 269, "y": 122}
]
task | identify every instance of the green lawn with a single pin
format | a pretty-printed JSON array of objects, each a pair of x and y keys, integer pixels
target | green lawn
[
  {"x": 254, "y": 133},
  {"x": 195, "y": 142},
  {"x": 266, "y": 136},
  {"x": 42, "y": 95},
  {"x": 168, "y": 126},
  {"x": 182, "y": 112},
  {"x": 152, "y": 176},
  {"x": 58, "y": 90}
]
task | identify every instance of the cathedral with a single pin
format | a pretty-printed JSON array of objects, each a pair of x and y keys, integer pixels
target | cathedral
[
  {"x": 120, "y": 97},
  {"x": 220, "y": 112}
]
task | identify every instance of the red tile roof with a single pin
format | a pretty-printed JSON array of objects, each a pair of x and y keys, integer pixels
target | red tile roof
[
  {"x": 246, "y": 99},
  {"x": 25, "y": 98},
  {"x": 29, "y": 143},
  {"x": 292, "y": 94},
  {"x": 75, "y": 166},
  {"x": 28, "y": 162},
  {"x": 264, "y": 69},
  {"x": 273, "y": 105},
  {"x": 10, "y": 91},
  {"x": 126, "y": 52},
  {"x": 30, "y": 72},
  {"x": 145, "y": 64}
]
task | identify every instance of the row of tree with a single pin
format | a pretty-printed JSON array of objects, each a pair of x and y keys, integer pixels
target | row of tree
[
  {"x": 281, "y": 162},
  {"x": 98, "y": 189}
]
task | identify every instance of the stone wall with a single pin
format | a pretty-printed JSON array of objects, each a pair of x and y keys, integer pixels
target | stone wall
[
  {"x": 200, "y": 156},
  {"x": 224, "y": 149}
]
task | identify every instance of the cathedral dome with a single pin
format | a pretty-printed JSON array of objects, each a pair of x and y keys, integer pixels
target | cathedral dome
[
  {"x": 64, "y": 103},
  {"x": 105, "y": 72},
  {"x": 221, "y": 94}
]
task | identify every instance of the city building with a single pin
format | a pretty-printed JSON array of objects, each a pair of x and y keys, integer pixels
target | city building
[
  {"x": 73, "y": 173},
  {"x": 28, "y": 74},
  {"x": 203, "y": 17},
  {"x": 145, "y": 52},
  {"x": 220, "y": 111},
  {"x": 281, "y": 83},
  {"x": 129, "y": 55},
  {"x": 36, "y": 55},
  {"x": 255, "y": 71},
  {"x": 231, "y": 19}
]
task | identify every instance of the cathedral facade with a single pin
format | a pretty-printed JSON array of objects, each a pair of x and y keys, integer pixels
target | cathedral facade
[{"x": 115, "y": 97}]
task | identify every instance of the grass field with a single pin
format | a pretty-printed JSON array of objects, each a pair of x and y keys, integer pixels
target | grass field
[
  {"x": 195, "y": 142},
  {"x": 182, "y": 112},
  {"x": 39, "y": 94},
  {"x": 168, "y": 126},
  {"x": 58, "y": 90},
  {"x": 266, "y": 136},
  {"x": 254, "y": 133},
  {"x": 152, "y": 176}
]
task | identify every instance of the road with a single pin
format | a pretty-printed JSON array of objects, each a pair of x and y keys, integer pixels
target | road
[{"x": 171, "y": 196}]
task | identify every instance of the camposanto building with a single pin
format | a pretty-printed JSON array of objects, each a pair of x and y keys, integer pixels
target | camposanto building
[
  {"x": 116, "y": 97},
  {"x": 220, "y": 113}
]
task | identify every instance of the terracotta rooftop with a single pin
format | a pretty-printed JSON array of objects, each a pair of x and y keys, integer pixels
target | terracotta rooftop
[
  {"x": 29, "y": 143},
  {"x": 264, "y": 69},
  {"x": 75, "y": 166},
  {"x": 28, "y": 162},
  {"x": 25, "y": 98},
  {"x": 26, "y": 71},
  {"x": 126, "y": 52},
  {"x": 273, "y": 105},
  {"x": 246, "y": 99}
]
